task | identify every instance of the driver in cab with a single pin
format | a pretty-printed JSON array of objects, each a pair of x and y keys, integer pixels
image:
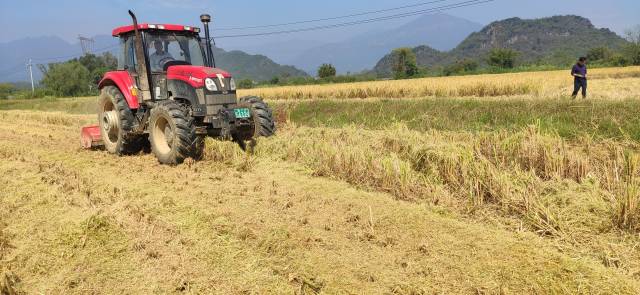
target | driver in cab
[{"x": 160, "y": 57}]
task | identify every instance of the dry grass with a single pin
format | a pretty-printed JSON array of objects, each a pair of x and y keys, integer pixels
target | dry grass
[
  {"x": 87, "y": 222},
  {"x": 612, "y": 83},
  {"x": 580, "y": 191}
]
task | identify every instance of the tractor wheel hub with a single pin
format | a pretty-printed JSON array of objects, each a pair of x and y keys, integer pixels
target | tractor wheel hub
[{"x": 110, "y": 121}]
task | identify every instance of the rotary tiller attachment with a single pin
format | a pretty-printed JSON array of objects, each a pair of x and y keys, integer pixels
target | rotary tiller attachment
[{"x": 90, "y": 137}]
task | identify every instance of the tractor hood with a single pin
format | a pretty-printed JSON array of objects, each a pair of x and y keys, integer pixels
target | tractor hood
[{"x": 195, "y": 75}]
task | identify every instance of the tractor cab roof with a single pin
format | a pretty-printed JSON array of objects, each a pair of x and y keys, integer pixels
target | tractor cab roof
[{"x": 146, "y": 27}]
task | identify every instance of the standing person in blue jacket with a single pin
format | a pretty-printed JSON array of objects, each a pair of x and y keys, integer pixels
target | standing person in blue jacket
[{"x": 579, "y": 72}]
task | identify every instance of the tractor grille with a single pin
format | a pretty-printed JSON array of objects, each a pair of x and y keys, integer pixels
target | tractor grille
[{"x": 215, "y": 102}]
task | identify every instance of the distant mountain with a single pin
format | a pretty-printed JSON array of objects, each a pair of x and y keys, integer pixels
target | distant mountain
[
  {"x": 553, "y": 39},
  {"x": 43, "y": 50},
  {"x": 439, "y": 31},
  {"x": 256, "y": 67}
]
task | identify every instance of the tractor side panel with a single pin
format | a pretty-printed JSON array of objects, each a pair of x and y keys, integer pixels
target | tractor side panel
[
  {"x": 125, "y": 83},
  {"x": 179, "y": 89}
]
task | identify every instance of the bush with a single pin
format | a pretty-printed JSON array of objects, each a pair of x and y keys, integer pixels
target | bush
[
  {"x": 632, "y": 54},
  {"x": 618, "y": 60},
  {"x": 68, "y": 79},
  {"x": 460, "y": 67},
  {"x": 28, "y": 94},
  {"x": 599, "y": 54},
  {"x": 632, "y": 51},
  {"x": 6, "y": 90},
  {"x": 326, "y": 71},
  {"x": 404, "y": 64},
  {"x": 245, "y": 84},
  {"x": 502, "y": 58}
]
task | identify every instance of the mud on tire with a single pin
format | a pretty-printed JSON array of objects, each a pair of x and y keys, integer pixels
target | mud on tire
[
  {"x": 172, "y": 133},
  {"x": 263, "y": 116},
  {"x": 118, "y": 139}
]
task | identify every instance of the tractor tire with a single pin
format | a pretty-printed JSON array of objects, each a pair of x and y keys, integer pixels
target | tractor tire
[
  {"x": 116, "y": 123},
  {"x": 172, "y": 133},
  {"x": 262, "y": 114}
]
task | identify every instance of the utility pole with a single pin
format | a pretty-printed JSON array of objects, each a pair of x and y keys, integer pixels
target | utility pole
[{"x": 30, "y": 66}]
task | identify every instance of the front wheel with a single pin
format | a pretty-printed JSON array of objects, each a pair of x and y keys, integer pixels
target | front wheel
[
  {"x": 262, "y": 116},
  {"x": 172, "y": 134}
]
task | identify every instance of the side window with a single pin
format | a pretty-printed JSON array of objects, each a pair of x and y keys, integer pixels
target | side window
[
  {"x": 121, "y": 54},
  {"x": 129, "y": 54}
]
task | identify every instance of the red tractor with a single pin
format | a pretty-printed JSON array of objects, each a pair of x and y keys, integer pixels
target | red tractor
[{"x": 167, "y": 95}]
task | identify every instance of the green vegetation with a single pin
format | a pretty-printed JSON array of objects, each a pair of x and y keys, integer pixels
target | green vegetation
[
  {"x": 21, "y": 91},
  {"x": 568, "y": 119},
  {"x": 632, "y": 50},
  {"x": 245, "y": 84},
  {"x": 6, "y": 89},
  {"x": 598, "y": 119},
  {"x": 460, "y": 67},
  {"x": 326, "y": 71},
  {"x": 502, "y": 58},
  {"x": 599, "y": 54},
  {"x": 404, "y": 63},
  {"x": 67, "y": 79}
]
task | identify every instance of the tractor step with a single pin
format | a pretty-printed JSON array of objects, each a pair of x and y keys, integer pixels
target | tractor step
[{"x": 90, "y": 137}]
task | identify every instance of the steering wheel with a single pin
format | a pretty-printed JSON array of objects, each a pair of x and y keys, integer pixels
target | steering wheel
[{"x": 164, "y": 61}]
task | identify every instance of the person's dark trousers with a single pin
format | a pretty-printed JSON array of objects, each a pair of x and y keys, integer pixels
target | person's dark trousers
[{"x": 579, "y": 83}]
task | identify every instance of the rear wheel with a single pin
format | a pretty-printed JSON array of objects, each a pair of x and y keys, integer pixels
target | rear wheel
[
  {"x": 172, "y": 134},
  {"x": 262, "y": 115},
  {"x": 116, "y": 123}
]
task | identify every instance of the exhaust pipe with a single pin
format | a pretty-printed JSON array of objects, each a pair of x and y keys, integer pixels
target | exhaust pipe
[
  {"x": 143, "y": 69},
  {"x": 205, "y": 19}
]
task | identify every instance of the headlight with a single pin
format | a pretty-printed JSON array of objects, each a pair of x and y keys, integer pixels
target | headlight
[
  {"x": 210, "y": 84},
  {"x": 232, "y": 84}
]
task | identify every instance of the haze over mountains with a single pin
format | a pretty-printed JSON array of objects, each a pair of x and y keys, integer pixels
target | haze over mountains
[{"x": 361, "y": 52}]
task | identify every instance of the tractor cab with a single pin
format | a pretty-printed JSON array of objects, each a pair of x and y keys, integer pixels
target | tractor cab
[
  {"x": 180, "y": 45},
  {"x": 167, "y": 94}
]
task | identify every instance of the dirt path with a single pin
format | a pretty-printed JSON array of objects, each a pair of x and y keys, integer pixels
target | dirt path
[{"x": 74, "y": 221}]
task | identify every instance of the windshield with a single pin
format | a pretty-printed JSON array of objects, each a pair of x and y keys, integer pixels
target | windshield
[{"x": 164, "y": 47}]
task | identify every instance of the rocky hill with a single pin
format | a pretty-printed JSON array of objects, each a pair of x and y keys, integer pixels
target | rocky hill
[{"x": 553, "y": 40}]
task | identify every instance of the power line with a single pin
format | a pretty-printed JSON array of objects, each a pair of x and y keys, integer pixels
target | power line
[
  {"x": 390, "y": 17},
  {"x": 329, "y": 18}
]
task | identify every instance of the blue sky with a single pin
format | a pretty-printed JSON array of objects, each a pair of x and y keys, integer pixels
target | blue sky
[{"x": 67, "y": 19}]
